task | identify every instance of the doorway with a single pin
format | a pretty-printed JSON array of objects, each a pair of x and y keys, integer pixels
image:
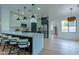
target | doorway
[{"x": 33, "y": 27}]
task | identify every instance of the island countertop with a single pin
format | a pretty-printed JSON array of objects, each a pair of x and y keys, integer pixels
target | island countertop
[{"x": 29, "y": 34}]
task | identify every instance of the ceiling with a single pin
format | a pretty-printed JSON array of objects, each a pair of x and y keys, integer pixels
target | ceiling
[
  {"x": 28, "y": 10},
  {"x": 55, "y": 10},
  {"x": 61, "y": 10}
]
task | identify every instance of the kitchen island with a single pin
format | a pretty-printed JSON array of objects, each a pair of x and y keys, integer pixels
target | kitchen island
[{"x": 36, "y": 40}]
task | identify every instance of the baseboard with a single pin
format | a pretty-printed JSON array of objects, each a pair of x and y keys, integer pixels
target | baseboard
[{"x": 68, "y": 39}]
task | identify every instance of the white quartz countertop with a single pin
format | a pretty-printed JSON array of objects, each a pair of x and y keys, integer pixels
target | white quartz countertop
[{"x": 29, "y": 34}]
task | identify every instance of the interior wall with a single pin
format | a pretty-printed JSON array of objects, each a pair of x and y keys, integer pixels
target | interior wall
[
  {"x": 56, "y": 21},
  {"x": 0, "y": 19},
  {"x": 5, "y": 16}
]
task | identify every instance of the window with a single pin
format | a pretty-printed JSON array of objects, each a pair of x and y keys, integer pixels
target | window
[
  {"x": 64, "y": 26},
  {"x": 68, "y": 26},
  {"x": 72, "y": 26},
  {"x": 51, "y": 27}
]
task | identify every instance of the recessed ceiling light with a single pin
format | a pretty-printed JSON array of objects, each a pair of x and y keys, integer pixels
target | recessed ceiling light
[
  {"x": 14, "y": 15},
  {"x": 38, "y": 8},
  {"x": 35, "y": 14},
  {"x": 22, "y": 12},
  {"x": 29, "y": 10},
  {"x": 78, "y": 5}
]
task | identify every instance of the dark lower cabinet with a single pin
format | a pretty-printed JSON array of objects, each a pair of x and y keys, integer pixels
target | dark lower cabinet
[{"x": 33, "y": 27}]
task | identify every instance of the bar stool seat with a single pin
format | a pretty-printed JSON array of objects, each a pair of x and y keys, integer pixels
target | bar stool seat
[
  {"x": 13, "y": 41},
  {"x": 22, "y": 45}
]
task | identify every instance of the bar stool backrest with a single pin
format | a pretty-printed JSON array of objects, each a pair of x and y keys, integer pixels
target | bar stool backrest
[
  {"x": 13, "y": 40},
  {"x": 1, "y": 35},
  {"x": 23, "y": 43},
  {"x": 9, "y": 37}
]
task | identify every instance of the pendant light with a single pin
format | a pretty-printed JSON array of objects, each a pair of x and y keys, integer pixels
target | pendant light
[
  {"x": 18, "y": 18},
  {"x": 24, "y": 13},
  {"x": 71, "y": 18},
  {"x": 33, "y": 16},
  {"x": 18, "y": 13}
]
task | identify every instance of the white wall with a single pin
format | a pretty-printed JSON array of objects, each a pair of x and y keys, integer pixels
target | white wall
[
  {"x": 4, "y": 19},
  {"x": 56, "y": 21},
  {"x": 0, "y": 18}
]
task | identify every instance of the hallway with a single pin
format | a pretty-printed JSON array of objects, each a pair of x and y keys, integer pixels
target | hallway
[{"x": 56, "y": 46}]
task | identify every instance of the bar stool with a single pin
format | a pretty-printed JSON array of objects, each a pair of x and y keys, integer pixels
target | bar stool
[
  {"x": 13, "y": 45},
  {"x": 22, "y": 45},
  {"x": 1, "y": 37},
  {"x": 5, "y": 40},
  {"x": 1, "y": 41}
]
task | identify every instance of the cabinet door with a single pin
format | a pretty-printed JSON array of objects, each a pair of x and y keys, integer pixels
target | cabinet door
[{"x": 33, "y": 27}]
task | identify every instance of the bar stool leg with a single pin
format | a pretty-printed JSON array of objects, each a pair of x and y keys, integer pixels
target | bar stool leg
[
  {"x": 24, "y": 50},
  {"x": 29, "y": 50},
  {"x": 4, "y": 46},
  {"x": 9, "y": 51},
  {"x": 18, "y": 51},
  {"x": 1, "y": 42}
]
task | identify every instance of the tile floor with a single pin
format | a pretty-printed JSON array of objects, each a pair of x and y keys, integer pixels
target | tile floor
[{"x": 56, "y": 46}]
